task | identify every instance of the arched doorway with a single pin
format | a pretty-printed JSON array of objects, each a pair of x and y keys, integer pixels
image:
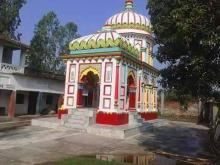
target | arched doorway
[
  {"x": 131, "y": 92},
  {"x": 89, "y": 89}
]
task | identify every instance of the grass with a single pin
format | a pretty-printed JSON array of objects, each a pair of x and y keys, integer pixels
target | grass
[{"x": 82, "y": 161}]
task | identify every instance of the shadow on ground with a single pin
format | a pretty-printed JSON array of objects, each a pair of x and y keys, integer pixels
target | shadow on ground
[{"x": 177, "y": 138}]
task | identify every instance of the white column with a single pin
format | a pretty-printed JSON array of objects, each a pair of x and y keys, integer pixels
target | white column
[
  {"x": 102, "y": 86},
  {"x": 22, "y": 58},
  {"x": 66, "y": 83},
  {"x": 38, "y": 105},
  {"x": 126, "y": 87},
  {"x": 139, "y": 91},
  {"x": 76, "y": 85}
]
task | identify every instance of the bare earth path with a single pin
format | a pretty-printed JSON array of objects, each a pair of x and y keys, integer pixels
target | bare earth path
[{"x": 32, "y": 145}]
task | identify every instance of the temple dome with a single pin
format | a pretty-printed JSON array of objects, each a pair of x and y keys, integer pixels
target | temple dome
[
  {"x": 129, "y": 19},
  {"x": 103, "y": 39}
]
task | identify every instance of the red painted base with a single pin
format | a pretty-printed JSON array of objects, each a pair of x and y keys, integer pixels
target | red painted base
[
  {"x": 149, "y": 115},
  {"x": 62, "y": 112},
  {"x": 111, "y": 119}
]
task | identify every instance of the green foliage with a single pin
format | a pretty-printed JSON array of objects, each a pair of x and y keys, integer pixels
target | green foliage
[
  {"x": 49, "y": 41},
  {"x": 9, "y": 17},
  {"x": 188, "y": 36}
]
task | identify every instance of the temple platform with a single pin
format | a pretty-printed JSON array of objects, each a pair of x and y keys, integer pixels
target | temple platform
[{"x": 117, "y": 132}]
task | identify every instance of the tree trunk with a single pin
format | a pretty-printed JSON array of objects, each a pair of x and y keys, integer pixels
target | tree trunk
[{"x": 200, "y": 111}]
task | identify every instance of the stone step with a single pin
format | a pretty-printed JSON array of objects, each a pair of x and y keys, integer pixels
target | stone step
[
  {"x": 121, "y": 132},
  {"x": 136, "y": 121},
  {"x": 134, "y": 117},
  {"x": 75, "y": 126},
  {"x": 134, "y": 114},
  {"x": 82, "y": 113},
  {"x": 77, "y": 117},
  {"x": 75, "y": 121},
  {"x": 78, "y": 113}
]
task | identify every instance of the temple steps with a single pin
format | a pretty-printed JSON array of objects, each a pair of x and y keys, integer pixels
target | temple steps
[
  {"x": 126, "y": 131},
  {"x": 118, "y": 132},
  {"x": 135, "y": 118},
  {"x": 79, "y": 119}
]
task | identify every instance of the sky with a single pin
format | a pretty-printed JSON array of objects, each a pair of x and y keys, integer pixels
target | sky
[{"x": 89, "y": 15}]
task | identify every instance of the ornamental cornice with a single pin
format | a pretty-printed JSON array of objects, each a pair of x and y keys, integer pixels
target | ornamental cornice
[
  {"x": 96, "y": 43},
  {"x": 145, "y": 28}
]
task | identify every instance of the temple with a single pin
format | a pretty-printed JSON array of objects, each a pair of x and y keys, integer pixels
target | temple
[{"x": 111, "y": 72}]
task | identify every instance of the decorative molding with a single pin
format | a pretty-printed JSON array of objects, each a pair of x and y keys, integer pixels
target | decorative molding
[
  {"x": 108, "y": 64},
  {"x": 100, "y": 40},
  {"x": 106, "y": 103},
  {"x": 72, "y": 73},
  {"x": 71, "y": 89},
  {"x": 70, "y": 101},
  {"x": 122, "y": 103},
  {"x": 107, "y": 90},
  {"x": 132, "y": 26},
  {"x": 122, "y": 91}
]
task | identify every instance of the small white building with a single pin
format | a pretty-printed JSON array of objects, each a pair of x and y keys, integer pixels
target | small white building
[{"x": 22, "y": 91}]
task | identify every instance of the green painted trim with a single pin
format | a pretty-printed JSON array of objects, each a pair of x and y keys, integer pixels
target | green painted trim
[
  {"x": 99, "y": 50},
  {"x": 99, "y": 44},
  {"x": 143, "y": 49}
]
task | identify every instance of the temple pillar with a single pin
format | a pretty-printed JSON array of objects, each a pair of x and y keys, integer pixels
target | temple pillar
[
  {"x": 116, "y": 85},
  {"x": 154, "y": 99},
  {"x": 11, "y": 104},
  {"x": 145, "y": 99},
  {"x": 139, "y": 100},
  {"x": 151, "y": 99}
]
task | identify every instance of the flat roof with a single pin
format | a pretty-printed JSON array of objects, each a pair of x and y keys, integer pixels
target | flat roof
[{"x": 13, "y": 44}]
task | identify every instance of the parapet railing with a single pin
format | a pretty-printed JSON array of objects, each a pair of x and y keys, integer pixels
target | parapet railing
[{"x": 10, "y": 68}]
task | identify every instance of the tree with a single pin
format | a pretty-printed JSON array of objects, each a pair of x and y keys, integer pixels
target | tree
[
  {"x": 49, "y": 41},
  {"x": 9, "y": 17},
  {"x": 188, "y": 37}
]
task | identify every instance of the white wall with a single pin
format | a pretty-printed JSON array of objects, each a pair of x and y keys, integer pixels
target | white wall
[{"x": 35, "y": 84}]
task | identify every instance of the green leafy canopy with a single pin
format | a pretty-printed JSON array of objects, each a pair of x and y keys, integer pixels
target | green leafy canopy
[
  {"x": 188, "y": 35},
  {"x": 9, "y": 17},
  {"x": 49, "y": 41}
]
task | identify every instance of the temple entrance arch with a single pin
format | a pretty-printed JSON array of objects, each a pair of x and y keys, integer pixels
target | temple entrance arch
[
  {"x": 131, "y": 91},
  {"x": 89, "y": 88}
]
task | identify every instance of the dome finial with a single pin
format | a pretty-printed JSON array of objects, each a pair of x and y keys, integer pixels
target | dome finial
[{"x": 129, "y": 4}]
